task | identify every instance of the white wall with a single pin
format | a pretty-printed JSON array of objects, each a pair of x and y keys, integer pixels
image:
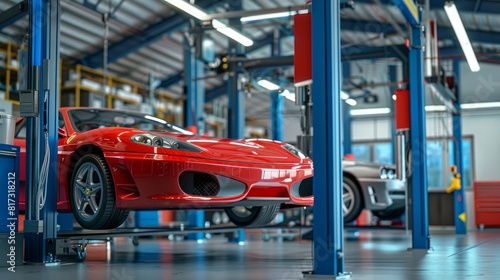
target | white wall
[{"x": 481, "y": 125}]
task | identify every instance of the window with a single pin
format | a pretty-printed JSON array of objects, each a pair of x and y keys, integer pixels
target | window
[
  {"x": 383, "y": 153},
  {"x": 361, "y": 152},
  {"x": 440, "y": 157}
]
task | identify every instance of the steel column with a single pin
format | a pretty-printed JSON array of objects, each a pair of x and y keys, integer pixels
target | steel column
[
  {"x": 236, "y": 97},
  {"x": 328, "y": 219},
  {"x": 44, "y": 54},
  {"x": 195, "y": 89},
  {"x": 419, "y": 208},
  {"x": 195, "y": 99},
  {"x": 393, "y": 77},
  {"x": 346, "y": 111},
  {"x": 459, "y": 195},
  {"x": 277, "y": 116}
]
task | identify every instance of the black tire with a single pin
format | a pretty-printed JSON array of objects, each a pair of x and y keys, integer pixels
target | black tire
[
  {"x": 92, "y": 195},
  {"x": 388, "y": 214},
  {"x": 252, "y": 216},
  {"x": 352, "y": 200}
]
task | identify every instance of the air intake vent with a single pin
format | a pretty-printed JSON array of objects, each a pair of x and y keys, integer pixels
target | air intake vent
[
  {"x": 306, "y": 187},
  {"x": 199, "y": 184}
]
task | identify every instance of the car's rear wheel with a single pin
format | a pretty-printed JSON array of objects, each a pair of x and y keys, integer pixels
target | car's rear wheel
[
  {"x": 92, "y": 195},
  {"x": 389, "y": 214},
  {"x": 252, "y": 216},
  {"x": 352, "y": 200}
]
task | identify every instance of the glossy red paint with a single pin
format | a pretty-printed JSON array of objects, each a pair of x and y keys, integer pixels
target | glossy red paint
[{"x": 147, "y": 177}]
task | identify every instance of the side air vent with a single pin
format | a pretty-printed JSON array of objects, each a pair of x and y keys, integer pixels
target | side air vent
[
  {"x": 303, "y": 188},
  {"x": 199, "y": 184}
]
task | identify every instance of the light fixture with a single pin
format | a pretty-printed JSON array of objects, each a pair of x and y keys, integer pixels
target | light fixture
[
  {"x": 218, "y": 25},
  {"x": 288, "y": 95},
  {"x": 463, "y": 39},
  {"x": 232, "y": 33},
  {"x": 374, "y": 111},
  {"x": 435, "y": 108},
  {"x": 268, "y": 85},
  {"x": 272, "y": 15},
  {"x": 351, "y": 102},
  {"x": 482, "y": 105},
  {"x": 344, "y": 95}
]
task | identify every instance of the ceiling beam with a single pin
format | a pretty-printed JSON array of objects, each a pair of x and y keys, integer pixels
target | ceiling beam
[
  {"x": 484, "y": 6},
  {"x": 352, "y": 53},
  {"x": 477, "y": 36},
  {"x": 13, "y": 14},
  {"x": 145, "y": 38}
]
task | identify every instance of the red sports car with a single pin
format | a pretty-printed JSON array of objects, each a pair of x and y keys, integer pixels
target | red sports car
[{"x": 112, "y": 161}]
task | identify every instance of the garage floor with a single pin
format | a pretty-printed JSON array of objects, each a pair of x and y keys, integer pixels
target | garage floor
[{"x": 376, "y": 254}]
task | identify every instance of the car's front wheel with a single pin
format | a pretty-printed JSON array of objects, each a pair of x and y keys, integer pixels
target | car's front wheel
[
  {"x": 352, "y": 200},
  {"x": 92, "y": 195},
  {"x": 252, "y": 216}
]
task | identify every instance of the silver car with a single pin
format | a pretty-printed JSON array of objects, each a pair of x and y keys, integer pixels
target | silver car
[{"x": 374, "y": 187}]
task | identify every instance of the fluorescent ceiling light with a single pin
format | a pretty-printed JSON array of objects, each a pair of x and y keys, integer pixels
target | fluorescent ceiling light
[
  {"x": 482, "y": 105},
  {"x": 463, "y": 39},
  {"x": 351, "y": 102},
  {"x": 219, "y": 26},
  {"x": 344, "y": 95},
  {"x": 435, "y": 108},
  {"x": 268, "y": 85},
  {"x": 188, "y": 8},
  {"x": 232, "y": 33},
  {"x": 374, "y": 111},
  {"x": 272, "y": 15},
  {"x": 288, "y": 95}
]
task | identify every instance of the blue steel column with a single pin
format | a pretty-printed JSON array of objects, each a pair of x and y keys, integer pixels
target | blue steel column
[
  {"x": 393, "y": 78},
  {"x": 44, "y": 50},
  {"x": 346, "y": 117},
  {"x": 328, "y": 220},
  {"x": 195, "y": 88},
  {"x": 277, "y": 116},
  {"x": 236, "y": 97},
  {"x": 194, "y": 116},
  {"x": 419, "y": 208},
  {"x": 459, "y": 195}
]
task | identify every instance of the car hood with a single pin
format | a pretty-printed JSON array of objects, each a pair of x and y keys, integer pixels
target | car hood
[
  {"x": 258, "y": 151},
  {"x": 243, "y": 150}
]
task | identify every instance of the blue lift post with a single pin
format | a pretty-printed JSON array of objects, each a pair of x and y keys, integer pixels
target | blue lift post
[
  {"x": 346, "y": 117},
  {"x": 328, "y": 226},
  {"x": 277, "y": 99},
  {"x": 419, "y": 206},
  {"x": 393, "y": 78},
  {"x": 277, "y": 115},
  {"x": 459, "y": 195},
  {"x": 236, "y": 97},
  {"x": 40, "y": 247},
  {"x": 194, "y": 116}
]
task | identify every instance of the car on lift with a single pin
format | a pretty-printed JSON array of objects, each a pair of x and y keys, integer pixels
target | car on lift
[
  {"x": 113, "y": 161},
  {"x": 372, "y": 186}
]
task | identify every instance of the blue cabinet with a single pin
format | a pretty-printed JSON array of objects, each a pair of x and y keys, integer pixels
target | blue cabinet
[{"x": 9, "y": 188}]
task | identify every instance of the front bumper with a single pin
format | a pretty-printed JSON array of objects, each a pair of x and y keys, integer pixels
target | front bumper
[
  {"x": 382, "y": 194},
  {"x": 151, "y": 181}
]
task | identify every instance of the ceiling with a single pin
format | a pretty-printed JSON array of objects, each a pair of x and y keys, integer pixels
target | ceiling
[{"x": 149, "y": 37}]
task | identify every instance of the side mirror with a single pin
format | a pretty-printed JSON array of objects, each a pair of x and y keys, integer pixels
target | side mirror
[{"x": 61, "y": 131}]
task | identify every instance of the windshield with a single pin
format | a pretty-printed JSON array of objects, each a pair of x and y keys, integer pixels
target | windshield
[{"x": 84, "y": 119}]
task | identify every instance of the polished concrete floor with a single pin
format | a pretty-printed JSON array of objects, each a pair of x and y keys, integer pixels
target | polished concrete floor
[{"x": 374, "y": 254}]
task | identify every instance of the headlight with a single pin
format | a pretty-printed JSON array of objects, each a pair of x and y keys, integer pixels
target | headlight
[
  {"x": 296, "y": 152},
  {"x": 164, "y": 142},
  {"x": 387, "y": 173}
]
